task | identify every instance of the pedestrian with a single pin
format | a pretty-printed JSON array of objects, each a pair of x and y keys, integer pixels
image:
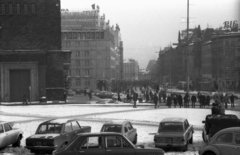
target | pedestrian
[
  {"x": 180, "y": 100},
  {"x": 226, "y": 100},
  {"x": 232, "y": 98},
  {"x": 135, "y": 98},
  {"x": 90, "y": 95},
  {"x": 203, "y": 100},
  {"x": 215, "y": 109},
  {"x": 119, "y": 99},
  {"x": 159, "y": 98},
  {"x": 25, "y": 101},
  {"x": 193, "y": 99},
  {"x": 164, "y": 96},
  {"x": 175, "y": 100},
  {"x": 85, "y": 92},
  {"x": 147, "y": 96},
  {"x": 186, "y": 100},
  {"x": 65, "y": 96},
  {"x": 155, "y": 99},
  {"x": 208, "y": 100},
  {"x": 151, "y": 96},
  {"x": 221, "y": 108},
  {"x": 169, "y": 101},
  {"x": 128, "y": 98}
]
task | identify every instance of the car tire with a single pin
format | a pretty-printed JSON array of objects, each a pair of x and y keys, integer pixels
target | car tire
[
  {"x": 209, "y": 153},
  {"x": 191, "y": 140},
  {"x": 135, "y": 140},
  {"x": 185, "y": 147},
  {"x": 18, "y": 142}
]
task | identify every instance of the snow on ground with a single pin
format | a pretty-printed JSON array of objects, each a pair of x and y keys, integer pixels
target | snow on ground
[
  {"x": 194, "y": 116},
  {"x": 14, "y": 118},
  {"x": 58, "y": 110}
]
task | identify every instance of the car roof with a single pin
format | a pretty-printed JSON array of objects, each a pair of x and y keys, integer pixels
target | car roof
[
  {"x": 58, "y": 121},
  {"x": 99, "y": 133},
  {"x": 117, "y": 122},
  {"x": 230, "y": 129},
  {"x": 173, "y": 119}
]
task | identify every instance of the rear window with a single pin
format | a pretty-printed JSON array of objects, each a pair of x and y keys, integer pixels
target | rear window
[
  {"x": 112, "y": 128},
  {"x": 170, "y": 127},
  {"x": 49, "y": 128}
]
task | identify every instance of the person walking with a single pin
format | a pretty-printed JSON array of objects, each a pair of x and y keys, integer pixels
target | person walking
[
  {"x": 135, "y": 98},
  {"x": 155, "y": 99},
  {"x": 193, "y": 99},
  {"x": 186, "y": 100},
  {"x": 175, "y": 100},
  {"x": 232, "y": 98},
  {"x": 169, "y": 101},
  {"x": 208, "y": 100},
  {"x": 90, "y": 95},
  {"x": 226, "y": 100},
  {"x": 203, "y": 100},
  {"x": 164, "y": 97},
  {"x": 25, "y": 101},
  {"x": 215, "y": 109},
  {"x": 180, "y": 100},
  {"x": 159, "y": 98}
]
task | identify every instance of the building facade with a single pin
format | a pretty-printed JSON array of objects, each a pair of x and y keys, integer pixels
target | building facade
[
  {"x": 32, "y": 63},
  {"x": 96, "y": 50},
  {"x": 130, "y": 70}
]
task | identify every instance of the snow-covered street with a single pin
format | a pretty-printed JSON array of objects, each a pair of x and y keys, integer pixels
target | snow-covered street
[{"x": 144, "y": 119}]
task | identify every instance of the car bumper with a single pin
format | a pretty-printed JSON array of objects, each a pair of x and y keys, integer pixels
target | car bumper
[
  {"x": 165, "y": 145},
  {"x": 41, "y": 148}
]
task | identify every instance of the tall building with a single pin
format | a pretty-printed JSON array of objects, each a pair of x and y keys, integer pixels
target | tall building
[
  {"x": 130, "y": 70},
  {"x": 95, "y": 46},
  {"x": 32, "y": 63}
]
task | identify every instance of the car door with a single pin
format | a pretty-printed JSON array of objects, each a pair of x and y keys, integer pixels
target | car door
[
  {"x": 224, "y": 143},
  {"x": 236, "y": 148},
  {"x": 9, "y": 134},
  {"x": 3, "y": 137},
  {"x": 91, "y": 145},
  {"x": 117, "y": 145},
  {"x": 131, "y": 132},
  {"x": 68, "y": 132}
]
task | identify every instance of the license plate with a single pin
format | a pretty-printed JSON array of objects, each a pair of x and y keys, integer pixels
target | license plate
[
  {"x": 169, "y": 140},
  {"x": 39, "y": 144}
]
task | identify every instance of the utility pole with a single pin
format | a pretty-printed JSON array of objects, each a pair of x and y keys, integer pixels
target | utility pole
[{"x": 187, "y": 47}]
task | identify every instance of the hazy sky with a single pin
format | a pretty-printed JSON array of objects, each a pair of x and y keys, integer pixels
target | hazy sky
[{"x": 147, "y": 25}]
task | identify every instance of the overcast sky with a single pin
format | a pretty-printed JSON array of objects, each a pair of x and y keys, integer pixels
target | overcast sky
[{"x": 147, "y": 25}]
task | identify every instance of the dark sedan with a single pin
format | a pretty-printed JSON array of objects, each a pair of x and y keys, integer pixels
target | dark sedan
[
  {"x": 105, "y": 143},
  {"x": 53, "y": 134}
]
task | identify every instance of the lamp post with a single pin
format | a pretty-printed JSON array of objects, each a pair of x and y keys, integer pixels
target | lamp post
[{"x": 187, "y": 47}]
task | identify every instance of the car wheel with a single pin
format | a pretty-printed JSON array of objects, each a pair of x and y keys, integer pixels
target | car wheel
[
  {"x": 209, "y": 153},
  {"x": 184, "y": 148},
  {"x": 18, "y": 142},
  {"x": 135, "y": 140},
  {"x": 191, "y": 140}
]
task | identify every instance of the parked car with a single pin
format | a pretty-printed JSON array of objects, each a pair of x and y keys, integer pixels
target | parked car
[
  {"x": 54, "y": 133},
  {"x": 9, "y": 135},
  {"x": 123, "y": 97},
  {"x": 224, "y": 142},
  {"x": 105, "y": 94},
  {"x": 71, "y": 93},
  {"x": 215, "y": 123},
  {"x": 174, "y": 132},
  {"x": 105, "y": 143},
  {"x": 124, "y": 127}
]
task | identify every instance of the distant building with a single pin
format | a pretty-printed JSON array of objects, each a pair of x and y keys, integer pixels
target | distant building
[
  {"x": 130, "y": 70},
  {"x": 96, "y": 49},
  {"x": 32, "y": 63}
]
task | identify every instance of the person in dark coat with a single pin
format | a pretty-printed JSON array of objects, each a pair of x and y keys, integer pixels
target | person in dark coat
[
  {"x": 151, "y": 96},
  {"x": 159, "y": 98},
  {"x": 119, "y": 98},
  {"x": 175, "y": 100},
  {"x": 164, "y": 97},
  {"x": 180, "y": 100},
  {"x": 215, "y": 109},
  {"x": 193, "y": 99},
  {"x": 208, "y": 100},
  {"x": 155, "y": 100},
  {"x": 169, "y": 101},
  {"x": 147, "y": 96},
  {"x": 186, "y": 100},
  {"x": 203, "y": 100},
  {"x": 135, "y": 98},
  {"x": 232, "y": 98},
  {"x": 90, "y": 95}
]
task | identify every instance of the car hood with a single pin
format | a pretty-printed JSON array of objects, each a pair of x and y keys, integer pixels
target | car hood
[
  {"x": 44, "y": 136},
  {"x": 169, "y": 134}
]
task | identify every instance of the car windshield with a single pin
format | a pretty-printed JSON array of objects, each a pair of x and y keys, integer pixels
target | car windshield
[
  {"x": 112, "y": 128},
  {"x": 49, "y": 128},
  {"x": 170, "y": 127}
]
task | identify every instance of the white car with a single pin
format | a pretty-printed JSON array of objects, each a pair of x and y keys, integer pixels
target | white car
[
  {"x": 225, "y": 142},
  {"x": 122, "y": 97}
]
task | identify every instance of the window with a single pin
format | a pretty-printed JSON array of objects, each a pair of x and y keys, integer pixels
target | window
[
  {"x": 226, "y": 43},
  {"x": 1, "y": 128},
  {"x": 25, "y": 9},
  {"x": 10, "y": 9},
  {"x": 78, "y": 62},
  {"x": 7, "y": 127},
  {"x": 233, "y": 43},
  {"x": 18, "y": 9},
  {"x": 86, "y": 53},
  {"x": 102, "y": 35},
  {"x": 86, "y": 62},
  {"x": 3, "y": 9},
  {"x": 225, "y": 138},
  {"x": 116, "y": 141},
  {"x": 78, "y": 82},
  {"x": 88, "y": 35},
  {"x": 95, "y": 142},
  {"x": 87, "y": 72},
  {"x": 33, "y": 9},
  {"x": 68, "y": 127},
  {"x": 67, "y": 44},
  {"x": 77, "y": 53},
  {"x": 69, "y": 35},
  {"x": 83, "y": 35},
  {"x": 87, "y": 83},
  {"x": 75, "y": 125},
  {"x": 97, "y": 35},
  {"x": 77, "y": 72},
  {"x": 237, "y": 138},
  {"x": 92, "y": 35}
]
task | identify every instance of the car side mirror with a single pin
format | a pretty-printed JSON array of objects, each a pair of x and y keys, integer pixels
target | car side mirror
[{"x": 203, "y": 121}]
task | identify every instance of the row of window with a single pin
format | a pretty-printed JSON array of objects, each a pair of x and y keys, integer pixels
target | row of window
[
  {"x": 78, "y": 53},
  {"x": 69, "y": 44},
  {"x": 17, "y": 9},
  {"x": 79, "y": 72},
  {"x": 82, "y": 35},
  {"x": 77, "y": 82},
  {"x": 86, "y": 62}
]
